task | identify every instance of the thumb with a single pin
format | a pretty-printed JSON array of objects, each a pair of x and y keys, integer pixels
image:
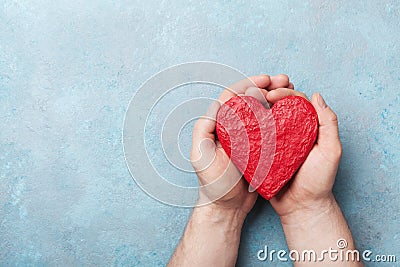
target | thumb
[
  {"x": 328, "y": 135},
  {"x": 203, "y": 139}
]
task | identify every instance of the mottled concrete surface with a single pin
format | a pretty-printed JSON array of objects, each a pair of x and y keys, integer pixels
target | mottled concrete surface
[{"x": 68, "y": 70}]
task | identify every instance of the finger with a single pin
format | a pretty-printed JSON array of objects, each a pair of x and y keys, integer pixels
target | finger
[
  {"x": 277, "y": 94},
  {"x": 259, "y": 94},
  {"x": 203, "y": 155},
  {"x": 203, "y": 138},
  {"x": 260, "y": 81},
  {"x": 328, "y": 134},
  {"x": 291, "y": 85},
  {"x": 278, "y": 81},
  {"x": 205, "y": 125}
]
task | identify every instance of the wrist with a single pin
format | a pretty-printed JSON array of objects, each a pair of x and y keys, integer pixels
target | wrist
[
  {"x": 220, "y": 216},
  {"x": 311, "y": 212}
]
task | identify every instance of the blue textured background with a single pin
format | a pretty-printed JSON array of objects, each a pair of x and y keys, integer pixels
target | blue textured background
[{"x": 68, "y": 70}]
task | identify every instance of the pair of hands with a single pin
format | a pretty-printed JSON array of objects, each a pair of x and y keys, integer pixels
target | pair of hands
[
  {"x": 310, "y": 191},
  {"x": 311, "y": 219}
]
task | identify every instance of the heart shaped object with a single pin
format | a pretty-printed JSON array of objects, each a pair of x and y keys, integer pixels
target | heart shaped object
[{"x": 267, "y": 145}]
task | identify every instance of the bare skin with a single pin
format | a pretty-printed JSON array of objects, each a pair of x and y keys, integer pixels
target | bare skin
[{"x": 310, "y": 215}]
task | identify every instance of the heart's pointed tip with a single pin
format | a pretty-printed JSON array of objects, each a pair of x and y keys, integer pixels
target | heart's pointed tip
[{"x": 267, "y": 196}]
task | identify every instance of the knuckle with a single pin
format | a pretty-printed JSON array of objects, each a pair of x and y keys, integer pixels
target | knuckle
[
  {"x": 304, "y": 95},
  {"x": 333, "y": 153},
  {"x": 284, "y": 77},
  {"x": 196, "y": 126},
  {"x": 339, "y": 151},
  {"x": 333, "y": 117},
  {"x": 336, "y": 152},
  {"x": 300, "y": 94}
]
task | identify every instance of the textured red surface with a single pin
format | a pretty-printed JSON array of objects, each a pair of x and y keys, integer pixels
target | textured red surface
[{"x": 267, "y": 145}]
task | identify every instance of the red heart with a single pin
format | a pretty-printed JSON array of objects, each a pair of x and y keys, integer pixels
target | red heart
[{"x": 267, "y": 145}]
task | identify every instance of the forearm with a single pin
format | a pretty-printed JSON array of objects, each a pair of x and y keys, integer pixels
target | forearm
[
  {"x": 319, "y": 230},
  {"x": 211, "y": 238}
]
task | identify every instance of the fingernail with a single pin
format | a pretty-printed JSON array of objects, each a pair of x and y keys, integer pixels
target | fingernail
[{"x": 321, "y": 101}]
